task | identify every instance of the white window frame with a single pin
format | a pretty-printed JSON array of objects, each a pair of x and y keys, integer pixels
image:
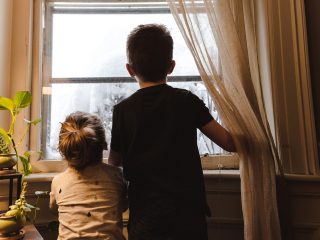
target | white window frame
[{"x": 225, "y": 161}]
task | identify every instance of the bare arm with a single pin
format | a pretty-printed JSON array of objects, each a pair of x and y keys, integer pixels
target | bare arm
[
  {"x": 115, "y": 158},
  {"x": 53, "y": 203},
  {"x": 219, "y": 135}
]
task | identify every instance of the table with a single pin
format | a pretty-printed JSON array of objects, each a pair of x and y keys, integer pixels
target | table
[
  {"x": 12, "y": 176},
  {"x": 31, "y": 233}
]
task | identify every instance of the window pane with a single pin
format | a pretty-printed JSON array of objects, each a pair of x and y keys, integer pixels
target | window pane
[
  {"x": 94, "y": 45},
  {"x": 100, "y": 98},
  {"x": 85, "y": 59}
]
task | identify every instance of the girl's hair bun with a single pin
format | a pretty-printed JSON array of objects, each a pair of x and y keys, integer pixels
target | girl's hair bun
[{"x": 82, "y": 139}]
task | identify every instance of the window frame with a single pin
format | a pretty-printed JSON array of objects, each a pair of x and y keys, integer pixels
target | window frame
[
  {"x": 25, "y": 68},
  {"x": 41, "y": 71}
]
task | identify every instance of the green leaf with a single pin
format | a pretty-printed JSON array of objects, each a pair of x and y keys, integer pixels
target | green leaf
[
  {"x": 5, "y": 136},
  {"x": 27, "y": 168},
  {"x": 29, "y": 206},
  {"x": 6, "y": 104},
  {"x": 11, "y": 213},
  {"x": 29, "y": 153},
  {"x": 26, "y": 209},
  {"x": 22, "y": 99},
  {"x": 19, "y": 215},
  {"x": 18, "y": 202},
  {"x": 33, "y": 122},
  {"x": 13, "y": 207}
]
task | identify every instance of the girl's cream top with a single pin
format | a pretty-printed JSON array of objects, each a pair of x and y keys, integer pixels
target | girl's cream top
[{"x": 90, "y": 202}]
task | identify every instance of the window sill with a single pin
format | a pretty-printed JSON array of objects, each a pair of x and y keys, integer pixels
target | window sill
[
  {"x": 41, "y": 177},
  {"x": 47, "y": 177},
  {"x": 225, "y": 162},
  {"x": 214, "y": 166},
  {"x": 224, "y": 173}
]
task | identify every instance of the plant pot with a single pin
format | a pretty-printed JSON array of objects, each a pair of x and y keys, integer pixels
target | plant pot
[
  {"x": 11, "y": 224},
  {"x": 7, "y": 161}
]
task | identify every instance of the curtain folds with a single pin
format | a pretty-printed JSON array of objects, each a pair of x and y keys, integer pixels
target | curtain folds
[{"x": 221, "y": 36}]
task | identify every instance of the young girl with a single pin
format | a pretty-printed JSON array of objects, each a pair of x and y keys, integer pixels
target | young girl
[{"x": 89, "y": 195}]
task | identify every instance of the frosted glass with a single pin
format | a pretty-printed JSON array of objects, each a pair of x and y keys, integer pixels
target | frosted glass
[
  {"x": 100, "y": 98},
  {"x": 94, "y": 45}
]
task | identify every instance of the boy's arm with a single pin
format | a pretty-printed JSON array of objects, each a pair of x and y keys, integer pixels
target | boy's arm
[
  {"x": 115, "y": 158},
  {"x": 219, "y": 135},
  {"x": 200, "y": 116}
]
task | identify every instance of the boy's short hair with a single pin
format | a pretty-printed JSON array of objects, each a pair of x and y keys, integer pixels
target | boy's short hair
[
  {"x": 149, "y": 51},
  {"x": 82, "y": 139}
]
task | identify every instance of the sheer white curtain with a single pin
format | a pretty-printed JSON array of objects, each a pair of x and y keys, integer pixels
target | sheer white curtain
[{"x": 233, "y": 80}]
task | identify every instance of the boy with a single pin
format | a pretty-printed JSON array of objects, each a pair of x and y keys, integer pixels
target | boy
[{"x": 154, "y": 139}]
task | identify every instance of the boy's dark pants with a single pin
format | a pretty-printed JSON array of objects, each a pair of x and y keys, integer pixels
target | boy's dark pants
[{"x": 163, "y": 220}]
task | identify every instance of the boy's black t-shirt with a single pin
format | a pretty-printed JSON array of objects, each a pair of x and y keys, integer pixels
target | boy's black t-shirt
[{"x": 155, "y": 130}]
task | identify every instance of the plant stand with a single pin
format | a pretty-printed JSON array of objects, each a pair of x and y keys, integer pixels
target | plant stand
[{"x": 12, "y": 176}]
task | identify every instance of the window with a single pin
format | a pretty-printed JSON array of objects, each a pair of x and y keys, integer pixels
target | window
[{"x": 84, "y": 59}]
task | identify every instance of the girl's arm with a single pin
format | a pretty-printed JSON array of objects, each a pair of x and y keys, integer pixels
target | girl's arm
[{"x": 53, "y": 203}]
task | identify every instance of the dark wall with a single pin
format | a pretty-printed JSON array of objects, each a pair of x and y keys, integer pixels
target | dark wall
[{"x": 313, "y": 30}]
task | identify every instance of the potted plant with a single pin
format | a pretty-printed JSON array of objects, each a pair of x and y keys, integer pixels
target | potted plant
[
  {"x": 7, "y": 159},
  {"x": 15, "y": 218},
  {"x": 8, "y": 140}
]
